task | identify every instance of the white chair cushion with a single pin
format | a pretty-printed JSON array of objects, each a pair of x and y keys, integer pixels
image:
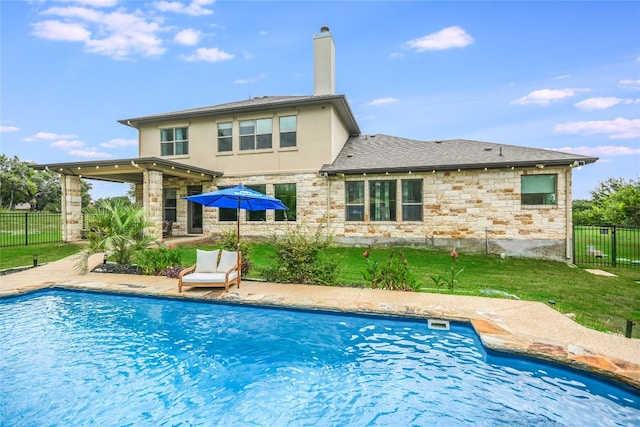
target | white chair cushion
[
  {"x": 205, "y": 278},
  {"x": 206, "y": 261},
  {"x": 227, "y": 261}
]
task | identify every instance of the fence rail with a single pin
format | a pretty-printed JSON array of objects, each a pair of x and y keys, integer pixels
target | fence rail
[
  {"x": 29, "y": 228},
  {"x": 606, "y": 245}
]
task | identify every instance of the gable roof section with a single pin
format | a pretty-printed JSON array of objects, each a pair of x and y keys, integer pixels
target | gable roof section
[
  {"x": 259, "y": 103},
  {"x": 384, "y": 153}
]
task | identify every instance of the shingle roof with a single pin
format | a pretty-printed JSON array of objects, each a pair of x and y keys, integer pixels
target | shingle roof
[
  {"x": 382, "y": 153},
  {"x": 255, "y": 104}
]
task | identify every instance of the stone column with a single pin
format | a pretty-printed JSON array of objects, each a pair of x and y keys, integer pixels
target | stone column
[
  {"x": 152, "y": 201},
  {"x": 71, "y": 208}
]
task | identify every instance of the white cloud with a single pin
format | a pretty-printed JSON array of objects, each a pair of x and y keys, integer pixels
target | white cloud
[
  {"x": 382, "y": 101},
  {"x": 56, "y": 30},
  {"x": 48, "y": 136},
  {"x": 629, "y": 84},
  {"x": 188, "y": 37},
  {"x": 90, "y": 153},
  {"x": 602, "y": 150},
  {"x": 66, "y": 145},
  {"x": 8, "y": 129},
  {"x": 255, "y": 79},
  {"x": 116, "y": 34},
  {"x": 94, "y": 3},
  {"x": 619, "y": 128},
  {"x": 212, "y": 54},
  {"x": 119, "y": 142},
  {"x": 195, "y": 8},
  {"x": 602, "y": 103},
  {"x": 547, "y": 96},
  {"x": 446, "y": 38},
  {"x": 562, "y": 77},
  {"x": 396, "y": 55}
]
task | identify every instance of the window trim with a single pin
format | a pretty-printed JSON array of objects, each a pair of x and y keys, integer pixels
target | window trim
[
  {"x": 255, "y": 136},
  {"x": 225, "y": 137},
  {"x": 420, "y": 204},
  {"x": 544, "y": 196},
  {"x": 294, "y": 132},
  {"x": 174, "y": 142},
  {"x": 348, "y": 205}
]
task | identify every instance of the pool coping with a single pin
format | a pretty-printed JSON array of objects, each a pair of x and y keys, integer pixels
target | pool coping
[{"x": 511, "y": 326}]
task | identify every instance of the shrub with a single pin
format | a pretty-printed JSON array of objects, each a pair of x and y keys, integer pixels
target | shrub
[
  {"x": 230, "y": 243},
  {"x": 156, "y": 261},
  {"x": 393, "y": 274},
  {"x": 300, "y": 259}
]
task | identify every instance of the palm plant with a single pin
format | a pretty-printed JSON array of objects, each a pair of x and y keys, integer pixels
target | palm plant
[{"x": 115, "y": 227}]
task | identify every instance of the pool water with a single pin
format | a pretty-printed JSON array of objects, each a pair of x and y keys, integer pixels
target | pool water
[{"x": 76, "y": 358}]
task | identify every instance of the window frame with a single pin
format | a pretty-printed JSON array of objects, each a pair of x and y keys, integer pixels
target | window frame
[
  {"x": 539, "y": 198},
  {"x": 169, "y": 212},
  {"x": 257, "y": 139},
  {"x": 224, "y": 138},
  {"x": 261, "y": 215},
  {"x": 178, "y": 147},
  {"x": 290, "y": 201},
  {"x": 375, "y": 206},
  {"x": 354, "y": 212},
  {"x": 287, "y": 135},
  {"x": 406, "y": 205}
]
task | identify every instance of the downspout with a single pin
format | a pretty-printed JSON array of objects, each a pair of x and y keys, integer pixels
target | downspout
[
  {"x": 327, "y": 185},
  {"x": 568, "y": 214}
]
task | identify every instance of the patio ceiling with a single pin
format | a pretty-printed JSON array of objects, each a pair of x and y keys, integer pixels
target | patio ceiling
[{"x": 128, "y": 170}]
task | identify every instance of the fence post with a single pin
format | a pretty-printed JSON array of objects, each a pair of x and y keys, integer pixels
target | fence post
[
  {"x": 613, "y": 246},
  {"x": 26, "y": 228}
]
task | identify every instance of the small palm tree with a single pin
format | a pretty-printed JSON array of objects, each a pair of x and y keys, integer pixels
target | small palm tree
[{"x": 115, "y": 227}]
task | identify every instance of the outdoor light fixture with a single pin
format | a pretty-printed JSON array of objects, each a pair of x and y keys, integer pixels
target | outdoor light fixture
[
  {"x": 104, "y": 259},
  {"x": 35, "y": 260},
  {"x": 552, "y": 303}
]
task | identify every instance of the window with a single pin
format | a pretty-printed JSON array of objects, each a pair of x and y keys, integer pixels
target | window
[
  {"x": 382, "y": 200},
  {"x": 538, "y": 189},
  {"x": 225, "y": 141},
  {"x": 288, "y": 131},
  {"x": 170, "y": 202},
  {"x": 412, "y": 200},
  {"x": 257, "y": 215},
  {"x": 287, "y": 194},
  {"x": 227, "y": 214},
  {"x": 256, "y": 134},
  {"x": 354, "y": 200},
  {"x": 174, "y": 141}
]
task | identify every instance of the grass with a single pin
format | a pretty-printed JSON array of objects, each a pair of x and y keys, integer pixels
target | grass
[{"x": 599, "y": 302}]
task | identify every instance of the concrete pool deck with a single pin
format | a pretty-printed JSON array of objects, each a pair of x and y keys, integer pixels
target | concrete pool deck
[{"x": 516, "y": 326}]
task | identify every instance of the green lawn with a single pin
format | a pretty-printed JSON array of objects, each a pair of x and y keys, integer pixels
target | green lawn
[{"x": 602, "y": 303}]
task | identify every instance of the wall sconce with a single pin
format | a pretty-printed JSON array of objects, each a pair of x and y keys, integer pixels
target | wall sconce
[{"x": 540, "y": 166}]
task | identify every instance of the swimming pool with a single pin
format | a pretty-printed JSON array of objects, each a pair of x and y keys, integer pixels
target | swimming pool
[{"x": 78, "y": 358}]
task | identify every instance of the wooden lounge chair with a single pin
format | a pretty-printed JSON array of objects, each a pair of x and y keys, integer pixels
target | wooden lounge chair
[{"x": 213, "y": 269}]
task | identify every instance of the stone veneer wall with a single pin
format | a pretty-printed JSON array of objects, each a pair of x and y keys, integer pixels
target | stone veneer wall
[
  {"x": 71, "y": 208},
  {"x": 475, "y": 211}
]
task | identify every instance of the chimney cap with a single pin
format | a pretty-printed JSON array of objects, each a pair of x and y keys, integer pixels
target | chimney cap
[{"x": 324, "y": 29}]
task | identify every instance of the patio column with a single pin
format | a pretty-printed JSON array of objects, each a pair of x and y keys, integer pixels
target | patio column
[
  {"x": 71, "y": 208},
  {"x": 152, "y": 201}
]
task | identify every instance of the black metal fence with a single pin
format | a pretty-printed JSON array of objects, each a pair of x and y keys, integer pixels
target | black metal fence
[
  {"x": 606, "y": 245},
  {"x": 29, "y": 228}
]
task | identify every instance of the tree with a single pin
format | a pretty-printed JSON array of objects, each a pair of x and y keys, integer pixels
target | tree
[
  {"x": 115, "y": 227},
  {"x": 19, "y": 183},
  {"x": 614, "y": 201}
]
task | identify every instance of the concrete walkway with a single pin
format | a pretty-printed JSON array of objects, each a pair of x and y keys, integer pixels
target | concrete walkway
[{"x": 515, "y": 326}]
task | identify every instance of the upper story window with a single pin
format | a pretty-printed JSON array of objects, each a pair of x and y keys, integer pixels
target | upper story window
[
  {"x": 256, "y": 134},
  {"x": 412, "y": 200},
  {"x": 538, "y": 189},
  {"x": 174, "y": 141},
  {"x": 225, "y": 141},
  {"x": 382, "y": 200},
  {"x": 354, "y": 200},
  {"x": 288, "y": 128}
]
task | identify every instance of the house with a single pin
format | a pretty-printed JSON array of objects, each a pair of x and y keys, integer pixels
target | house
[{"x": 309, "y": 152}]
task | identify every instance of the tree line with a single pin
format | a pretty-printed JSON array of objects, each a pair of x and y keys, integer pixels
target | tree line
[{"x": 614, "y": 201}]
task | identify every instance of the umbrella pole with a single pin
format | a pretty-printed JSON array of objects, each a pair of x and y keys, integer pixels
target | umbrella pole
[{"x": 238, "y": 244}]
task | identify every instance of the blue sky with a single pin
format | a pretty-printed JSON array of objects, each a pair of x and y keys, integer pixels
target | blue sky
[{"x": 558, "y": 75}]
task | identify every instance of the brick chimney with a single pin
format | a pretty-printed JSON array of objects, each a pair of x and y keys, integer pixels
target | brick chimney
[{"x": 324, "y": 72}]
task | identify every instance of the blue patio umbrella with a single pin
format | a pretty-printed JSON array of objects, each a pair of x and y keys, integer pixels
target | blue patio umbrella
[{"x": 238, "y": 197}]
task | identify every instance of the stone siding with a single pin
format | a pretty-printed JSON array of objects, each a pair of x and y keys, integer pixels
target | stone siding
[{"x": 477, "y": 211}]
